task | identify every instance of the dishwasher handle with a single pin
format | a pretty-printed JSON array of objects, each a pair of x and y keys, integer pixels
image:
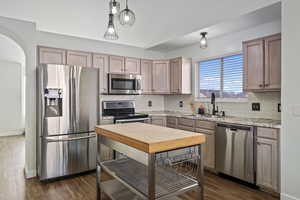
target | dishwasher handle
[{"x": 235, "y": 127}]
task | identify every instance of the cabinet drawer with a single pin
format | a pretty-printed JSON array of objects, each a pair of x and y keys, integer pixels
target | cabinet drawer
[
  {"x": 205, "y": 131},
  {"x": 186, "y": 122},
  {"x": 186, "y": 128},
  {"x": 270, "y": 133},
  {"x": 171, "y": 120},
  {"x": 160, "y": 121},
  {"x": 205, "y": 124}
]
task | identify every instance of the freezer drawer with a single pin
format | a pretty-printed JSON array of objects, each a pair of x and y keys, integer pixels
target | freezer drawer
[
  {"x": 235, "y": 151},
  {"x": 67, "y": 155}
]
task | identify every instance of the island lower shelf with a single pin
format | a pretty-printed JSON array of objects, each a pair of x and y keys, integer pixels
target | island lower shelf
[
  {"x": 148, "y": 164},
  {"x": 169, "y": 181}
]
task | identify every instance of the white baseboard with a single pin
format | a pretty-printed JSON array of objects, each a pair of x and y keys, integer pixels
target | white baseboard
[
  {"x": 30, "y": 173},
  {"x": 12, "y": 132},
  {"x": 287, "y": 197}
]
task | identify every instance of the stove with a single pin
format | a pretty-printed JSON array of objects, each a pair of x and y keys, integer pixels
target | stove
[{"x": 123, "y": 111}]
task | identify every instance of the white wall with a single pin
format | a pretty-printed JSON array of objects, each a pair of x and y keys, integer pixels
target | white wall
[
  {"x": 11, "y": 116},
  {"x": 81, "y": 44},
  {"x": 290, "y": 137},
  {"x": 225, "y": 45}
]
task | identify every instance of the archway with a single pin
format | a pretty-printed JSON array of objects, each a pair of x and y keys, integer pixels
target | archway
[{"x": 12, "y": 87}]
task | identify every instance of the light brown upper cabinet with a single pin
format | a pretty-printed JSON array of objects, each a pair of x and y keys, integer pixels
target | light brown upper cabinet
[
  {"x": 262, "y": 64},
  {"x": 161, "y": 77},
  {"x": 116, "y": 64},
  {"x": 51, "y": 56},
  {"x": 273, "y": 62},
  {"x": 132, "y": 65},
  {"x": 101, "y": 61},
  {"x": 121, "y": 65},
  {"x": 180, "y": 75},
  {"x": 79, "y": 58},
  {"x": 146, "y": 72}
]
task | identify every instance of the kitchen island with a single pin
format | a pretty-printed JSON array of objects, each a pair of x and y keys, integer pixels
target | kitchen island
[{"x": 145, "y": 163}]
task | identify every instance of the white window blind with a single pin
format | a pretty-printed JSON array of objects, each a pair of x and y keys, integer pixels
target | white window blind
[
  {"x": 210, "y": 78},
  {"x": 233, "y": 76},
  {"x": 223, "y": 76}
]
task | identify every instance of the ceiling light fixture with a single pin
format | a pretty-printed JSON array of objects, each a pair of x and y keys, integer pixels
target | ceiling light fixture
[
  {"x": 114, "y": 7},
  {"x": 203, "y": 40},
  {"x": 111, "y": 33},
  {"x": 127, "y": 16}
]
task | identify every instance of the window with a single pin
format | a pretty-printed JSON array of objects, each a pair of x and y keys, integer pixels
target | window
[{"x": 222, "y": 76}]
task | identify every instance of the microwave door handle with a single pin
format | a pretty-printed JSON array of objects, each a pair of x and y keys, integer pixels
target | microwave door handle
[{"x": 138, "y": 84}]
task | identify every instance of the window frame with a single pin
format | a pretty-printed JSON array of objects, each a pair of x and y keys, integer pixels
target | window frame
[{"x": 197, "y": 81}]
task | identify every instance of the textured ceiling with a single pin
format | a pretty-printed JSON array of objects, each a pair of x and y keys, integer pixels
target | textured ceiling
[{"x": 158, "y": 21}]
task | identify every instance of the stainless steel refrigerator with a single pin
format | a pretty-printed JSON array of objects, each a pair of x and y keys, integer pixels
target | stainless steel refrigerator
[{"x": 67, "y": 115}]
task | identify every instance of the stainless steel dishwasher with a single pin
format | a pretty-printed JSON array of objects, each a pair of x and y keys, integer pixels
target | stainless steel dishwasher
[{"x": 235, "y": 151}]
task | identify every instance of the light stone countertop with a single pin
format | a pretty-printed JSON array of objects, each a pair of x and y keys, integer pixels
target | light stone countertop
[{"x": 268, "y": 123}]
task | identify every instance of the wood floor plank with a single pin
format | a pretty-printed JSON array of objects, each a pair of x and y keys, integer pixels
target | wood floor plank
[{"x": 13, "y": 185}]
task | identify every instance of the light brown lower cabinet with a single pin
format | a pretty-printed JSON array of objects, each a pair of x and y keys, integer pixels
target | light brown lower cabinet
[
  {"x": 160, "y": 121},
  {"x": 172, "y": 122},
  {"x": 268, "y": 174},
  {"x": 209, "y": 150}
]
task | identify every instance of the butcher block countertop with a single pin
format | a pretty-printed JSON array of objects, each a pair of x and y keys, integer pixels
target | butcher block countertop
[{"x": 150, "y": 138}]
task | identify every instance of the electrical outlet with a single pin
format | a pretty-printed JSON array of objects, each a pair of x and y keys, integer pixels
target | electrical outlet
[
  {"x": 279, "y": 107},
  {"x": 255, "y": 106},
  {"x": 149, "y": 103},
  {"x": 180, "y": 104}
]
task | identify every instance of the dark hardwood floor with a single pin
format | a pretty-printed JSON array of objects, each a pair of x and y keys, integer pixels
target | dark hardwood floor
[{"x": 13, "y": 186}]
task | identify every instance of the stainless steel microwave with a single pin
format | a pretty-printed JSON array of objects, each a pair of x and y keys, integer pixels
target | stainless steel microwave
[{"x": 124, "y": 84}]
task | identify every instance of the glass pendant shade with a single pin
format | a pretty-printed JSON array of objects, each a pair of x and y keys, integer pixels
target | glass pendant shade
[
  {"x": 114, "y": 7},
  {"x": 127, "y": 16},
  {"x": 203, "y": 40},
  {"x": 111, "y": 33}
]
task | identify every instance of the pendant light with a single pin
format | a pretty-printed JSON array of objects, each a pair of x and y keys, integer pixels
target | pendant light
[
  {"x": 114, "y": 7},
  {"x": 111, "y": 33},
  {"x": 203, "y": 40},
  {"x": 127, "y": 16}
]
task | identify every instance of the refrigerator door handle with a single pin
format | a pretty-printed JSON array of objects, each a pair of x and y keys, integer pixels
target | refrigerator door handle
[{"x": 57, "y": 139}]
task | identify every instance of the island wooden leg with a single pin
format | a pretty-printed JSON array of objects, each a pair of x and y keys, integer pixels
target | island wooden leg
[
  {"x": 98, "y": 168},
  {"x": 151, "y": 176},
  {"x": 200, "y": 173}
]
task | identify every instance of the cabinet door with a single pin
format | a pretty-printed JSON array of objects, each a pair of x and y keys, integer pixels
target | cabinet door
[
  {"x": 273, "y": 62},
  {"x": 132, "y": 66},
  {"x": 101, "y": 61},
  {"x": 254, "y": 65},
  {"x": 175, "y": 75},
  {"x": 146, "y": 71},
  {"x": 267, "y": 163},
  {"x": 160, "y": 121},
  {"x": 116, "y": 64},
  {"x": 209, "y": 151},
  {"x": 161, "y": 77},
  {"x": 51, "y": 56},
  {"x": 79, "y": 58}
]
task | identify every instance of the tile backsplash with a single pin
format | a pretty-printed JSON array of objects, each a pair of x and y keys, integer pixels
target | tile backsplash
[
  {"x": 268, "y": 105},
  {"x": 141, "y": 101}
]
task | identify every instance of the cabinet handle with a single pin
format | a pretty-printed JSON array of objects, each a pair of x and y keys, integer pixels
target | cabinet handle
[
  {"x": 261, "y": 85},
  {"x": 267, "y": 85}
]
